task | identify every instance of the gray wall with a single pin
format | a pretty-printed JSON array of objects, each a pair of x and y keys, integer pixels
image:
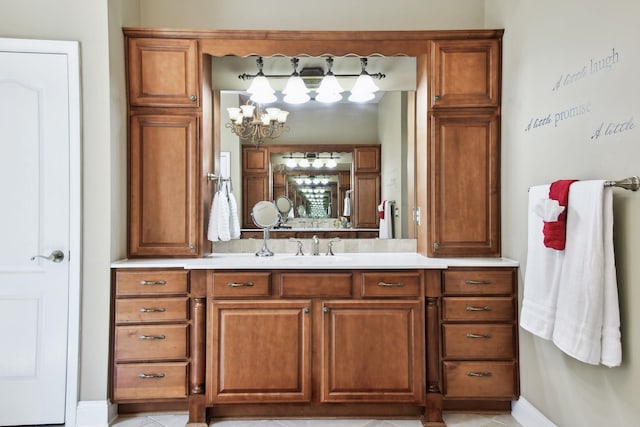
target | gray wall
[{"x": 544, "y": 42}]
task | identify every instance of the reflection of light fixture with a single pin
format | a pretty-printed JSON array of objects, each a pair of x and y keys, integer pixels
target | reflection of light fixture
[
  {"x": 251, "y": 123},
  {"x": 329, "y": 90},
  {"x": 311, "y": 160}
]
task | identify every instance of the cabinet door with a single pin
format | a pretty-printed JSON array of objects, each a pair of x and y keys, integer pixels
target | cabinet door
[
  {"x": 255, "y": 181},
  {"x": 261, "y": 352},
  {"x": 366, "y": 159},
  {"x": 366, "y": 200},
  {"x": 466, "y": 73},
  {"x": 162, "y": 72},
  {"x": 464, "y": 196},
  {"x": 372, "y": 351},
  {"x": 163, "y": 186}
]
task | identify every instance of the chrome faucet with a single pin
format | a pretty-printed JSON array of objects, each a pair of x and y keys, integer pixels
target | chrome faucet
[
  {"x": 330, "y": 246},
  {"x": 315, "y": 245}
]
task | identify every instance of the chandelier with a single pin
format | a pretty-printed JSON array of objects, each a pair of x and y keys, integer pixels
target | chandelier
[{"x": 252, "y": 122}]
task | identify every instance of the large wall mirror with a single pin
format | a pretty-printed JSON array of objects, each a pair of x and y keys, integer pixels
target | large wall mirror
[{"x": 326, "y": 130}]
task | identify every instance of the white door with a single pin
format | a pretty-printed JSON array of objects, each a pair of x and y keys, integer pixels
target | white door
[{"x": 35, "y": 221}]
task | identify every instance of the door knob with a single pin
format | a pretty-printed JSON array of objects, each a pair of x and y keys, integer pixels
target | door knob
[{"x": 56, "y": 256}]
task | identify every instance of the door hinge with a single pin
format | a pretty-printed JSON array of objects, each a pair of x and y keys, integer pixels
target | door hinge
[{"x": 416, "y": 215}]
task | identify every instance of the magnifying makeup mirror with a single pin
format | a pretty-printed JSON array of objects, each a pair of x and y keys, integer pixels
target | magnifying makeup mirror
[
  {"x": 284, "y": 205},
  {"x": 265, "y": 215}
]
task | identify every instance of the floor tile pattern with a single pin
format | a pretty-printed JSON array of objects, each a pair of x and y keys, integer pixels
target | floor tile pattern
[{"x": 452, "y": 420}]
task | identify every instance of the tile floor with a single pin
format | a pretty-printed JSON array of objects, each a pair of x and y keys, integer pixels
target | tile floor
[{"x": 452, "y": 420}]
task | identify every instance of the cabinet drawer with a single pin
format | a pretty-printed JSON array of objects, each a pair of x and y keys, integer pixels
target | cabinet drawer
[
  {"x": 238, "y": 285},
  {"x": 151, "y": 342},
  {"x": 151, "y": 310},
  {"x": 150, "y": 381},
  {"x": 156, "y": 282},
  {"x": 478, "y": 341},
  {"x": 478, "y": 282},
  {"x": 498, "y": 309},
  {"x": 295, "y": 285},
  {"x": 392, "y": 284},
  {"x": 488, "y": 380}
]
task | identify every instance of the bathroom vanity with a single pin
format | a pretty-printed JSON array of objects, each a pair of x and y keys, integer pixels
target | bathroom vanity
[
  {"x": 379, "y": 334},
  {"x": 356, "y": 334}
]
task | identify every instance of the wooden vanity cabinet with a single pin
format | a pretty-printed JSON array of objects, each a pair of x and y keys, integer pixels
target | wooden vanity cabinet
[
  {"x": 366, "y": 194},
  {"x": 165, "y": 147},
  {"x": 162, "y": 72},
  {"x": 255, "y": 180},
  {"x": 163, "y": 182},
  {"x": 150, "y": 335},
  {"x": 464, "y": 180},
  {"x": 465, "y": 73},
  {"x": 479, "y": 336},
  {"x": 317, "y": 337},
  {"x": 464, "y": 148}
]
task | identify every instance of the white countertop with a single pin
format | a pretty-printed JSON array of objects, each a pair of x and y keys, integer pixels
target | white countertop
[{"x": 342, "y": 261}]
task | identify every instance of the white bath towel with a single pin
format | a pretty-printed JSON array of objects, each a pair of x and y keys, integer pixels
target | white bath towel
[
  {"x": 212, "y": 228},
  {"x": 386, "y": 220},
  {"x": 587, "y": 325},
  {"x": 542, "y": 274},
  {"x": 234, "y": 221},
  {"x": 222, "y": 216},
  {"x": 346, "y": 211}
]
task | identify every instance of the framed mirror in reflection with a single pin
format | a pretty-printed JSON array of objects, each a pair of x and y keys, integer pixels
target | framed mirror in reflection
[{"x": 387, "y": 122}]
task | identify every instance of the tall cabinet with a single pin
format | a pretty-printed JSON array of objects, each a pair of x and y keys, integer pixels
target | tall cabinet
[
  {"x": 464, "y": 149},
  {"x": 164, "y": 146}
]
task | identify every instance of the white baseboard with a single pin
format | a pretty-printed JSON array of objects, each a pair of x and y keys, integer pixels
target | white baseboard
[
  {"x": 95, "y": 413},
  {"x": 528, "y": 415}
]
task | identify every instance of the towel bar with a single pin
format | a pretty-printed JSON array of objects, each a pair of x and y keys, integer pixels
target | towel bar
[
  {"x": 214, "y": 177},
  {"x": 632, "y": 183}
]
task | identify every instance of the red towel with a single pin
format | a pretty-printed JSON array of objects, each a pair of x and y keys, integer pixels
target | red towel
[{"x": 555, "y": 232}]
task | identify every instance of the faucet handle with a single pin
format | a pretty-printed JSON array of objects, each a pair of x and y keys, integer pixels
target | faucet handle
[
  {"x": 299, "y": 252},
  {"x": 330, "y": 246}
]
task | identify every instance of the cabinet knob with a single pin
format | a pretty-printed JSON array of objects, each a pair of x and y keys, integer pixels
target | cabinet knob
[
  {"x": 326, "y": 310},
  {"x": 193, "y": 97},
  {"x": 306, "y": 310},
  {"x": 436, "y": 245},
  {"x": 437, "y": 98}
]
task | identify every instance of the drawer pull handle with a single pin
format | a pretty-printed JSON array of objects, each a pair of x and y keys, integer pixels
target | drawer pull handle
[
  {"x": 153, "y": 282},
  {"x": 391, "y": 285},
  {"x": 477, "y": 282},
  {"x": 152, "y": 337},
  {"x": 485, "y": 308},
  {"x": 479, "y": 374},
  {"x": 239, "y": 285},
  {"x": 150, "y": 376},
  {"x": 153, "y": 310},
  {"x": 470, "y": 335}
]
